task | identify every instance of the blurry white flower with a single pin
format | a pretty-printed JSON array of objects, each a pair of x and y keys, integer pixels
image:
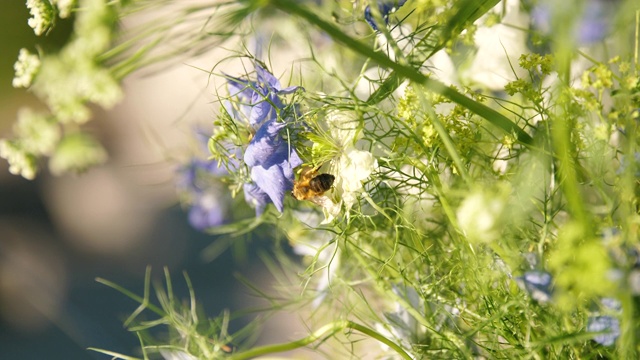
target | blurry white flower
[
  {"x": 500, "y": 163},
  {"x": 349, "y": 165},
  {"x": 176, "y": 355},
  {"x": 353, "y": 167},
  {"x": 478, "y": 216},
  {"x": 442, "y": 68},
  {"x": 343, "y": 127},
  {"x": 26, "y": 68},
  {"x": 38, "y": 133},
  {"x": 76, "y": 153},
  {"x": 66, "y": 83},
  {"x": 64, "y": 7},
  {"x": 498, "y": 49},
  {"x": 20, "y": 162}
]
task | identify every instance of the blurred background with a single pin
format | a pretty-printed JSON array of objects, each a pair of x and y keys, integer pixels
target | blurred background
[{"x": 58, "y": 234}]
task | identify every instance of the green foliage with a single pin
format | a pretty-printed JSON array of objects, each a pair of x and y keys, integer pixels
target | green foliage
[{"x": 465, "y": 220}]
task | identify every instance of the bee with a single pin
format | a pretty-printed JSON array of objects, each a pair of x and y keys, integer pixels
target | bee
[{"x": 311, "y": 185}]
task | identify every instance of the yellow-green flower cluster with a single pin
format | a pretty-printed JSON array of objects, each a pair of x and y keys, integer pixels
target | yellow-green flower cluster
[
  {"x": 67, "y": 81},
  {"x": 43, "y": 15},
  {"x": 36, "y": 135},
  {"x": 26, "y": 68}
]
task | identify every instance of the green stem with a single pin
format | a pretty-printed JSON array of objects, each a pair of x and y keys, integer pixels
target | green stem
[
  {"x": 322, "y": 333},
  {"x": 405, "y": 71}
]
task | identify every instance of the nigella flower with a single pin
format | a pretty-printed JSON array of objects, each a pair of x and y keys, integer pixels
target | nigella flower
[
  {"x": 608, "y": 326},
  {"x": 350, "y": 166},
  {"x": 271, "y": 160},
  {"x": 592, "y": 26},
  {"x": 206, "y": 209},
  {"x": 537, "y": 284},
  {"x": 197, "y": 185},
  {"x": 259, "y": 100},
  {"x": 385, "y": 8},
  {"x": 625, "y": 163}
]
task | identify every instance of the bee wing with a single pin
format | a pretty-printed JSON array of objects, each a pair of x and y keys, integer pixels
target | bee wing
[
  {"x": 324, "y": 201},
  {"x": 329, "y": 208}
]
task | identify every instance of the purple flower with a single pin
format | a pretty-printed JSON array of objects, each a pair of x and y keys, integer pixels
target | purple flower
[
  {"x": 206, "y": 211},
  {"x": 268, "y": 156},
  {"x": 537, "y": 284},
  {"x": 608, "y": 325},
  {"x": 271, "y": 161},
  {"x": 194, "y": 180},
  {"x": 258, "y": 100},
  {"x": 592, "y": 26},
  {"x": 189, "y": 177},
  {"x": 256, "y": 197},
  {"x": 624, "y": 163},
  {"x": 385, "y": 8}
]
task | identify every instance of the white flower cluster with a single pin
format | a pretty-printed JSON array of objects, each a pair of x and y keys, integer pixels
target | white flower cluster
[
  {"x": 26, "y": 68},
  {"x": 37, "y": 134},
  {"x": 64, "y": 7},
  {"x": 44, "y": 13},
  {"x": 43, "y": 16},
  {"x": 20, "y": 162},
  {"x": 478, "y": 216},
  {"x": 76, "y": 152},
  {"x": 351, "y": 166},
  {"x": 67, "y": 82}
]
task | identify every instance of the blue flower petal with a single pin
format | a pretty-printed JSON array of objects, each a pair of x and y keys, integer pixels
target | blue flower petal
[
  {"x": 385, "y": 8},
  {"x": 256, "y": 197},
  {"x": 273, "y": 182},
  {"x": 608, "y": 324},
  {"x": 592, "y": 26},
  {"x": 266, "y": 78},
  {"x": 290, "y": 90},
  {"x": 537, "y": 284},
  {"x": 275, "y": 175},
  {"x": 267, "y": 146},
  {"x": 206, "y": 212},
  {"x": 238, "y": 87}
]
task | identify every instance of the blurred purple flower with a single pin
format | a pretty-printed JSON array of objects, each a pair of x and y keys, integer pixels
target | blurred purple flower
[
  {"x": 592, "y": 26},
  {"x": 537, "y": 284},
  {"x": 605, "y": 323},
  {"x": 258, "y": 100},
  {"x": 205, "y": 206},
  {"x": 624, "y": 163},
  {"x": 385, "y": 8},
  {"x": 256, "y": 197},
  {"x": 206, "y": 211},
  {"x": 271, "y": 161}
]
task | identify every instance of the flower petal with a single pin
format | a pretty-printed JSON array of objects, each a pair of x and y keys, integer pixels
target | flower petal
[
  {"x": 272, "y": 181},
  {"x": 206, "y": 212},
  {"x": 256, "y": 197},
  {"x": 267, "y": 147}
]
